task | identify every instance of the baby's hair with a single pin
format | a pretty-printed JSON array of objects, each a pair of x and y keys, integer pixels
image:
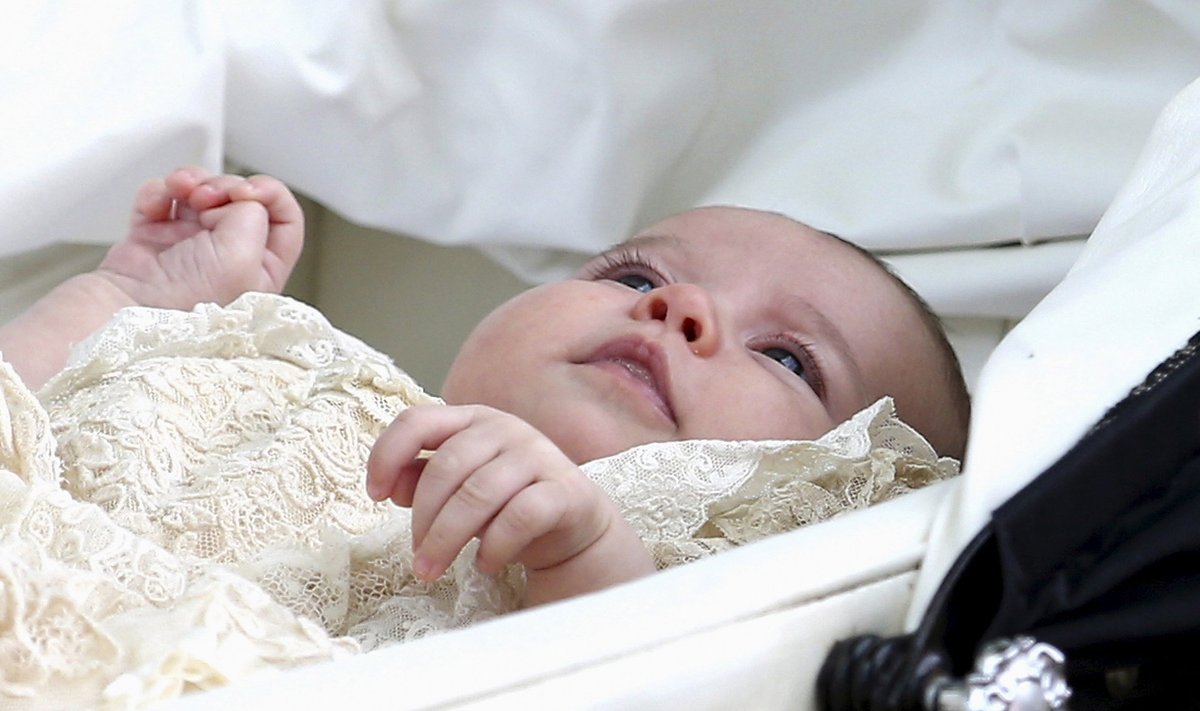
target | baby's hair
[{"x": 952, "y": 376}]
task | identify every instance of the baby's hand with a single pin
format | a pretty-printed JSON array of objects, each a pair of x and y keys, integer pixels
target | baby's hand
[
  {"x": 198, "y": 238},
  {"x": 492, "y": 476}
]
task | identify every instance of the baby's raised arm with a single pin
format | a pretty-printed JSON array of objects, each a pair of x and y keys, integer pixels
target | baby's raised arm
[
  {"x": 494, "y": 477},
  {"x": 193, "y": 238},
  {"x": 197, "y": 238}
]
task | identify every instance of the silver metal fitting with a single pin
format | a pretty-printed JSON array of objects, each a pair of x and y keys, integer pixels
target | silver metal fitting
[{"x": 1018, "y": 674}]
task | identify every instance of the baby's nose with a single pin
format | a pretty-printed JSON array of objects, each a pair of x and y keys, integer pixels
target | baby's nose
[{"x": 686, "y": 309}]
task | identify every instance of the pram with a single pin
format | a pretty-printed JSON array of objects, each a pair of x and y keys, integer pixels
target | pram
[{"x": 965, "y": 144}]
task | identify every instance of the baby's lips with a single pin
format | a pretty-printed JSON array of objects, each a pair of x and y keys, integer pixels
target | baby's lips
[{"x": 644, "y": 360}]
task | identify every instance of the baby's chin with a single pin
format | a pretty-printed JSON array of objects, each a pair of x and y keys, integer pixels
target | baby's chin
[{"x": 593, "y": 445}]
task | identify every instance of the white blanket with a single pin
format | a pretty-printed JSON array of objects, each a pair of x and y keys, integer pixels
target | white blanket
[{"x": 911, "y": 125}]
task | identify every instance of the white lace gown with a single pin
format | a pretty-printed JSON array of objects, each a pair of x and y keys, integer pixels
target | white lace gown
[{"x": 183, "y": 506}]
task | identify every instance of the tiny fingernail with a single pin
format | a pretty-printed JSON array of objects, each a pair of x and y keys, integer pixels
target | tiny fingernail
[{"x": 422, "y": 567}]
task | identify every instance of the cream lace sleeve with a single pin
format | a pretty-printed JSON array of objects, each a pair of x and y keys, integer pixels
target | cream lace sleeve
[{"x": 185, "y": 507}]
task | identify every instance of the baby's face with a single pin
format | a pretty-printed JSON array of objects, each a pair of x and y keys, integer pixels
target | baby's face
[{"x": 717, "y": 323}]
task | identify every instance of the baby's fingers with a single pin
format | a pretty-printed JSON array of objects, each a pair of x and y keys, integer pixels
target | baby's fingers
[
  {"x": 239, "y": 231},
  {"x": 285, "y": 238},
  {"x": 460, "y": 458},
  {"x": 155, "y": 200},
  {"x": 281, "y": 204},
  {"x": 393, "y": 470},
  {"x": 422, "y": 427},
  {"x": 399, "y": 458},
  {"x": 467, "y": 512},
  {"x": 213, "y": 191},
  {"x": 530, "y": 514},
  {"x": 152, "y": 202}
]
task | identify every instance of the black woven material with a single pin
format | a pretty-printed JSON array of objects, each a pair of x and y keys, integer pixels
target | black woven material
[{"x": 1099, "y": 556}]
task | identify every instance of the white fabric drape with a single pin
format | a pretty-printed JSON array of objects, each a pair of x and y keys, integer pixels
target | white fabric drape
[
  {"x": 563, "y": 125},
  {"x": 94, "y": 99}
]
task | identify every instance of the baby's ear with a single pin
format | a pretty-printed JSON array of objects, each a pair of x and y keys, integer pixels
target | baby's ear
[
  {"x": 951, "y": 425},
  {"x": 940, "y": 406}
]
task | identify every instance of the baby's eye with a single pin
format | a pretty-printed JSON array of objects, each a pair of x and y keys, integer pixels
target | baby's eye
[
  {"x": 637, "y": 282},
  {"x": 801, "y": 358},
  {"x": 787, "y": 359},
  {"x": 628, "y": 267}
]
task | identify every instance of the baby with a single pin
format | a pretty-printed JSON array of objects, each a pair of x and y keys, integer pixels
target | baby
[{"x": 717, "y": 323}]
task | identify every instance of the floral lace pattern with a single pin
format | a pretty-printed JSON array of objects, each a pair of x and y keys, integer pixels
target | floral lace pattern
[{"x": 185, "y": 506}]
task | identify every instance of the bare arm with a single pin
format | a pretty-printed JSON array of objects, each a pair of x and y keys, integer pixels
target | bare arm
[
  {"x": 496, "y": 478},
  {"x": 37, "y": 342}
]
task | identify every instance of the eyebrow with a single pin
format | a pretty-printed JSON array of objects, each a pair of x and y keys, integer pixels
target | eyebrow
[{"x": 646, "y": 240}]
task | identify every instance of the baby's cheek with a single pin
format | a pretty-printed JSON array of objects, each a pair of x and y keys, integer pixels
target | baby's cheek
[{"x": 767, "y": 413}]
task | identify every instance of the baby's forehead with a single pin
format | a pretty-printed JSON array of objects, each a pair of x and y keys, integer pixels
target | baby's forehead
[
  {"x": 747, "y": 237},
  {"x": 797, "y": 260}
]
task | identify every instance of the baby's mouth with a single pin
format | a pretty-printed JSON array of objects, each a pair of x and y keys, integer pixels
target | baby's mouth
[{"x": 642, "y": 366}]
